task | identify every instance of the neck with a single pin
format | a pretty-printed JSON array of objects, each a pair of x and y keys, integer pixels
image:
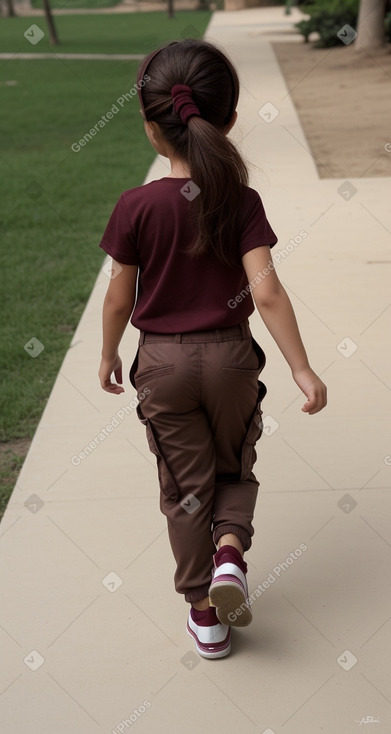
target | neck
[{"x": 179, "y": 169}]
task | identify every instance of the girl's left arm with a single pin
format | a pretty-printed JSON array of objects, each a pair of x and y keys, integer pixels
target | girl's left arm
[{"x": 117, "y": 309}]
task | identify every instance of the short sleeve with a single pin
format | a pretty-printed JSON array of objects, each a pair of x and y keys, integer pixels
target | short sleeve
[
  {"x": 256, "y": 228},
  {"x": 119, "y": 238}
]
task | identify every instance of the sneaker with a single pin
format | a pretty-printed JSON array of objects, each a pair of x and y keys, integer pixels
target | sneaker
[
  {"x": 228, "y": 591},
  {"x": 212, "y": 639}
]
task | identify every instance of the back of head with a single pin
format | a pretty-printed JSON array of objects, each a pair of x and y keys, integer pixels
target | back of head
[{"x": 215, "y": 164}]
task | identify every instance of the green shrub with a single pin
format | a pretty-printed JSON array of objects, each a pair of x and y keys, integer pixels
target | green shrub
[
  {"x": 327, "y": 17},
  {"x": 388, "y": 26},
  {"x": 305, "y": 28}
]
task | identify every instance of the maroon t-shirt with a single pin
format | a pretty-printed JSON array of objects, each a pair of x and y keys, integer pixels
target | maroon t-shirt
[{"x": 151, "y": 227}]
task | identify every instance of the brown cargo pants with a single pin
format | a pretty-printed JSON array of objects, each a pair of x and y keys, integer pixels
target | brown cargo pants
[{"x": 202, "y": 413}]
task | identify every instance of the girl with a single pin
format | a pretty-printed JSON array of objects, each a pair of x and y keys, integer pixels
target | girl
[{"x": 199, "y": 241}]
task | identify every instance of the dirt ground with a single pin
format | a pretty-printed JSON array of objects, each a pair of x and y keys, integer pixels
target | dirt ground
[{"x": 343, "y": 98}]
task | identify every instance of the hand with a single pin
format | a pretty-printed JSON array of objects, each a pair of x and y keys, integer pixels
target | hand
[
  {"x": 107, "y": 366},
  {"x": 313, "y": 387}
]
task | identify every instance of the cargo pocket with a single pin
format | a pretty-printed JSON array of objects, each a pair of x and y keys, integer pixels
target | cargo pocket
[
  {"x": 254, "y": 432},
  {"x": 133, "y": 369},
  {"x": 260, "y": 354},
  {"x": 166, "y": 481}
]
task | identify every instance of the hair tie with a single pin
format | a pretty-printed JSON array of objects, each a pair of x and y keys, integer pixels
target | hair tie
[{"x": 183, "y": 102}]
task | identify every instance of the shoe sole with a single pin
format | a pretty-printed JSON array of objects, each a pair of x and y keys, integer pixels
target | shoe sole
[
  {"x": 209, "y": 655},
  {"x": 228, "y": 598}
]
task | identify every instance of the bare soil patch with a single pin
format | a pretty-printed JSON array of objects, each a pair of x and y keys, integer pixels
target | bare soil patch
[{"x": 343, "y": 98}]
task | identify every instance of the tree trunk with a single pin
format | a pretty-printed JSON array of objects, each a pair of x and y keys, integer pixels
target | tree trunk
[
  {"x": 53, "y": 37},
  {"x": 170, "y": 8},
  {"x": 370, "y": 26},
  {"x": 8, "y": 10}
]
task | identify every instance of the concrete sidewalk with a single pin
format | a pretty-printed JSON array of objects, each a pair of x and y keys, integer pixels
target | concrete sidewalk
[{"x": 92, "y": 631}]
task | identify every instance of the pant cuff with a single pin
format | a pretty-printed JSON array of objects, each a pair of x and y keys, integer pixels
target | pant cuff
[
  {"x": 242, "y": 534},
  {"x": 197, "y": 594}
]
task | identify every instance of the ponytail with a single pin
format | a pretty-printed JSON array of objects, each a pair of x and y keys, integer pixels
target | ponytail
[
  {"x": 215, "y": 164},
  {"x": 220, "y": 172}
]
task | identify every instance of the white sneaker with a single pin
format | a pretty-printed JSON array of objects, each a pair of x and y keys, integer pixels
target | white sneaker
[
  {"x": 228, "y": 591},
  {"x": 212, "y": 639}
]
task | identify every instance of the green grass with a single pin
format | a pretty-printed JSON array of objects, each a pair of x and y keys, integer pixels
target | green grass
[
  {"x": 71, "y": 4},
  {"x": 11, "y": 461},
  {"x": 55, "y": 204},
  {"x": 121, "y": 33}
]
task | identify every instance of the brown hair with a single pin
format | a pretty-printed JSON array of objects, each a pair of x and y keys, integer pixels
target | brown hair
[{"x": 215, "y": 164}]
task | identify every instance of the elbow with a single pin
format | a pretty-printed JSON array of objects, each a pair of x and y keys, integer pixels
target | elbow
[
  {"x": 118, "y": 308},
  {"x": 268, "y": 298}
]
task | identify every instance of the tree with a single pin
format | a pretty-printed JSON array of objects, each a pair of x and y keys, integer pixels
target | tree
[
  {"x": 53, "y": 37},
  {"x": 370, "y": 26},
  {"x": 7, "y": 9}
]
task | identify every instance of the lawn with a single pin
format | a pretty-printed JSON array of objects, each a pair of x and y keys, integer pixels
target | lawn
[
  {"x": 121, "y": 33},
  {"x": 55, "y": 202},
  {"x": 72, "y": 4}
]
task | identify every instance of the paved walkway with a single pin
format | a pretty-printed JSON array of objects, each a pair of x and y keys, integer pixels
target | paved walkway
[{"x": 92, "y": 632}]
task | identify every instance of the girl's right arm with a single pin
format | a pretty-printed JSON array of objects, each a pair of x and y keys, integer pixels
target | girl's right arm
[{"x": 275, "y": 309}]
